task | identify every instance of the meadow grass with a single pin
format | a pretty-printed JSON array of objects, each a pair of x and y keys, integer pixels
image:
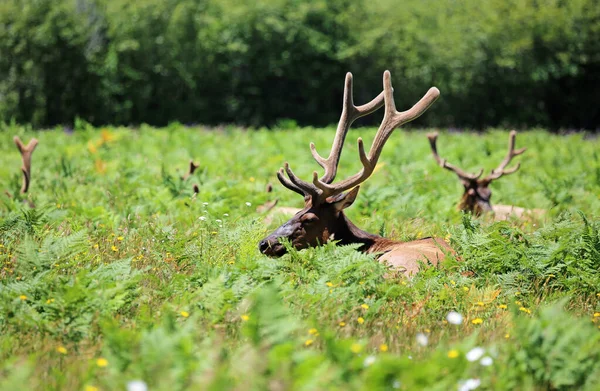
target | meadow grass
[{"x": 122, "y": 273}]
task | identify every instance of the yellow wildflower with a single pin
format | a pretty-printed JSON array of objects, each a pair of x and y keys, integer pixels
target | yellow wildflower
[
  {"x": 102, "y": 362},
  {"x": 480, "y": 303},
  {"x": 365, "y": 306},
  {"x": 252, "y": 179},
  {"x": 245, "y": 318},
  {"x": 23, "y": 297},
  {"x": 517, "y": 293},
  {"x": 185, "y": 314},
  {"x": 465, "y": 288},
  {"x": 526, "y": 310},
  {"x": 114, "y": 248},
  {"x": 355, "y": 348},
  {"x": 329, "y": 284},
  {"x": 360, "y": 320},
  {"x": 342, "y": 324},
  {"x": 477, "y": 321},
  {"x": 596, "y": 314},
  {"x": 453, "y": 353},
  {"x": 308, "y": 342},
  {"x": 61, "y": 350},
  {"x": 120, "y": 238},
  {"x": 453, "y": 282},
  {"x": 507, "y": 336},
  {"x": 517, "y": 302},
  {"x": 502, "y": 306},
  {"x": 96, "y": 245},
  {"x": 313, "y": 331},
  {"x": 383, "y": 348},
  {"x": 49, "y": 301},
  {"x": 91, "y": 388}
]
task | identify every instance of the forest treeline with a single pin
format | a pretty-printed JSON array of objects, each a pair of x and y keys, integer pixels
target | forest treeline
[{"x": 517, "y": 63}]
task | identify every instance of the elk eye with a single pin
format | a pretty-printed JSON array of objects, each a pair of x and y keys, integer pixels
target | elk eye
[{"x": 309, "y": 218}]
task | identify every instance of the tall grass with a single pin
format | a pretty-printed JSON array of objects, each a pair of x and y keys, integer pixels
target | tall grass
[{"x": 123, "y": 273}]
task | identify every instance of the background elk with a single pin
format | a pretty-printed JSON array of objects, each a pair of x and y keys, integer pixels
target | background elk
[
  {"x": 322, "y": 217},
  {"x": 477, "y": 194}
]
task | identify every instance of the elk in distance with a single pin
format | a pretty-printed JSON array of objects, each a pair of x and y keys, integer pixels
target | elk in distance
[
  {"x": 477, "y": 193},
  {"x": 322, "y": 217}
]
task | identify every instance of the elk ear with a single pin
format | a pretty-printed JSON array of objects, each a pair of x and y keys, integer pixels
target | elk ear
[{"x": 344, "y": 200}]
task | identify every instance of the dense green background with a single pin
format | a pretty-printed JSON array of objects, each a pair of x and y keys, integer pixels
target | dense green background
[
  {"x": 518, "y": 63},
  {"x": 120, "y": 273}
]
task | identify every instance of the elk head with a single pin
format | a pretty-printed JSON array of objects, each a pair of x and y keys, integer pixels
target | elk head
[
  {"x": 477, "y": 194},
  {"x": 322, "y": 216}
]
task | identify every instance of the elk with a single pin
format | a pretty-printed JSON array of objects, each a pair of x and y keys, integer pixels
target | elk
[
  {"x": 322, "y": 218},
  {"x": 477, "y": 194}
]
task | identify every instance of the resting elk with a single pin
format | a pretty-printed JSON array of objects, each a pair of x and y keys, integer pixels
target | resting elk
[
  {"x": 477, "y": 194},
  {"x": 322, "y": 217}
]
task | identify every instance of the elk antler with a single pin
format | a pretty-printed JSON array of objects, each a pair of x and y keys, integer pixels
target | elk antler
[
  {"x": 322, "y": 188},
  {"x": 26, "y": 152},
  {"x": 443, "y": 163},
  {"x": 500, "y": 170},
  {"x": 350, "y": 113},
  {"x": 193, "y": 167}
]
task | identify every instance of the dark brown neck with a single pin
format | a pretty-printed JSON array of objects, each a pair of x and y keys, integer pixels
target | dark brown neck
[{"x": 347, "y": 233}]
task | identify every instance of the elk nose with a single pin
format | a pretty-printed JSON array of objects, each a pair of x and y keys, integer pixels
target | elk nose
[{"x": 263, "y": 245}]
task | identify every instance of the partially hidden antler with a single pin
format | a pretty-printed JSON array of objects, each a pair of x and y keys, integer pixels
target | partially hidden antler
[
  {"x": 501, "y": 169},
  {"x": 321, "y": 188},
  {"x": 26, "y": 152},
  {"x": 193, "y": 167},
  {"x": 443, "y": 163}
]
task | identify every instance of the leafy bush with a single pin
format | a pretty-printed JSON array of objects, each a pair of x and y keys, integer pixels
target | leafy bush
[{"x": 517, "y": 63}]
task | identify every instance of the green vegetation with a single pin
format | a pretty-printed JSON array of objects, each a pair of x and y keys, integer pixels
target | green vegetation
[
  {"x": 121, "y": 273},
  {"x": 509, "y": 63}
]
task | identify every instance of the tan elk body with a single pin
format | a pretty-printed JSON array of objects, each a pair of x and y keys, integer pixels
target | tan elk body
[
  {"x": 476, "y": 197},
  {"x": 322, "y": 218}
]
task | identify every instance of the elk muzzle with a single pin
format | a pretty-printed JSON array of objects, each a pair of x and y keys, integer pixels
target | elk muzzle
[{"x": 270, "y": 246}]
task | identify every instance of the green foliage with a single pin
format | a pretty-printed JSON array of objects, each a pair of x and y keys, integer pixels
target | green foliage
[
  {"x": 282, "y": 62},
  {"x": 554, "y": 351},
  {"x": 121, "y": 272}
]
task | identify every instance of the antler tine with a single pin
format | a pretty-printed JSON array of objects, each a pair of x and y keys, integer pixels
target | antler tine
[
  {"x": 391, "y": 120},
  {"x": 26, "y": 152},
  {"x": 350, "y": 113},
  {"x": 443, "y": 163},
  {"x": 296, "y": 184},
  {"x": 193, "y": 167},
  {"x": 500, "y": 170}
]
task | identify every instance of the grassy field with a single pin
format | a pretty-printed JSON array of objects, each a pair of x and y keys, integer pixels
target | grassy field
[{"x": 121, "y": 273}]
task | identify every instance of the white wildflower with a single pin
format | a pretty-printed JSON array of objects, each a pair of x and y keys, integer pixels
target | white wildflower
[
  {"x": 205, "y": 203},
  {"x": 486, "y": 361},
  {"x": 475, "y": 354},
  {"x": 469, "y": 384},
  {"x": 248, "y": 204},
  {"x": 454, "y": 317},
  {"x": 201, "y": 218},
  {"x": 369, "y": 360},
  {"x": 422, "y": 339},
  {"x": 137, "y": 385},
  {"x": 396, "y": 384},
  {"x": 219, "y": 221},
  {"x": 225, "y": 214}
]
